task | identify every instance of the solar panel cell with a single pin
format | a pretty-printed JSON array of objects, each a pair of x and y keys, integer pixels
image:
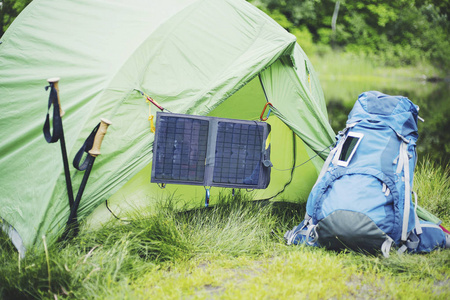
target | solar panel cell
[{"x": 181, "y": 149}]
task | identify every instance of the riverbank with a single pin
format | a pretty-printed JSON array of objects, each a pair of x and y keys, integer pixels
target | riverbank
[{"x": 344, "y": 76}]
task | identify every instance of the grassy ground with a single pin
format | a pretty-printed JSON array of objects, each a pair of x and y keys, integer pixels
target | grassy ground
[{"x": 225, "y": 252}]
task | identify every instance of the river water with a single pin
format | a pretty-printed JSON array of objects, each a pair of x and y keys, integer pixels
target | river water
[{"x": 433, "y": 99}]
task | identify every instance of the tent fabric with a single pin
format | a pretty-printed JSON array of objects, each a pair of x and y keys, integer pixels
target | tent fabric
[
  {"x": 283, "y": 82},
  {"x": 189, "y": 55}
]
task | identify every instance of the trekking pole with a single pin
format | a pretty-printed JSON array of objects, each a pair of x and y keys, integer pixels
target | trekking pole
[
  {"x": 58, "y": 131},
  {"x": 97, "y": 136}
]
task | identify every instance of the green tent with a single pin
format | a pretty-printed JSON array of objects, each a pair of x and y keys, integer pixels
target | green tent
[{"x": 221, "y": 58}]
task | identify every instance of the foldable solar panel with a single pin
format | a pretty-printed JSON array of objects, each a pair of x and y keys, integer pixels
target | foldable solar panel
[{"x": 210, "y": 151}]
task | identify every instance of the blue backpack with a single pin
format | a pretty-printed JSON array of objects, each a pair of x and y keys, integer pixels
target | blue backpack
[{"x": 362, "y": 199}]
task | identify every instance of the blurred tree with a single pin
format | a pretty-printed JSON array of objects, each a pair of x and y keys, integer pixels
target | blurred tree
[
  {"x": 394, "y": 32},
  {"x": 9, "y": 10}
]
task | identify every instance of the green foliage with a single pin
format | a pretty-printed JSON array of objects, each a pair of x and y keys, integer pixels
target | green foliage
[
  {"x": 305, "y": 38},
  {"x": 9, "y": 10},
  {"x": 281, "y": 19},
  {"x": 394, "y": 33}
]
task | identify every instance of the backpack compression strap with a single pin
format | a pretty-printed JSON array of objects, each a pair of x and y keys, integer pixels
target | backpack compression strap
[
  {"x": 403, "y": 164},
  {"x": 307, "y": 231}
]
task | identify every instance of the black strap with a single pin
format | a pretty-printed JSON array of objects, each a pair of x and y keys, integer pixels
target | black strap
[
  {"x": 58, "y": 135},
  {"x": 85, "y": 149},
  {"x": 57, "y": 122}
]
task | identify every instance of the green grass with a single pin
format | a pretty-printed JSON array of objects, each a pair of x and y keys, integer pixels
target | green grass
[
  {"x": 337, "y": 65},
  {"x": 433, "y": 188},
  {"x": 344, "y": 76},
  {"x": 224, "y": 252}
]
